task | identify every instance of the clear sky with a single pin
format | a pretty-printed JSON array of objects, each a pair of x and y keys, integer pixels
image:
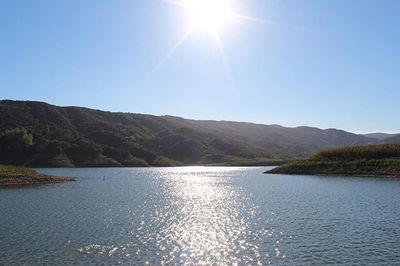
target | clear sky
[{"x": 324, "y": 63}]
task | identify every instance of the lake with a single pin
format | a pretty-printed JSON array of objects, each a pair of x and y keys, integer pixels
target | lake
[{"x": 200, "y": 215}]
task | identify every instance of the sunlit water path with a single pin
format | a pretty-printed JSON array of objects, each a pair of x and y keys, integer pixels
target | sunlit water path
[{"x": 200, "y": 216}]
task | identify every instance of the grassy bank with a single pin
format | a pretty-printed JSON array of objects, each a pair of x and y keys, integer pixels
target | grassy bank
[
  {"x": 17, "y": 175},
  {"x": 10, "y": 169},
  {"x": 372, "y": 160}
]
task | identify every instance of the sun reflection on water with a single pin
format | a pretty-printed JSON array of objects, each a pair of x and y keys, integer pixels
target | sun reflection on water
[
  {"x": 199, "y": 216},
  {"x": 210, "y": 227},
  {"x": 209, "y": 221}
]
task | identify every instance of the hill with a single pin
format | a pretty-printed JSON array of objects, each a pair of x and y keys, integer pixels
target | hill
[
  {"x": 394, "y": 139},
  {"x": 43, "y": 135},
  {"x": 379, "y": 136},
  {"x": 371, "y": 160}
]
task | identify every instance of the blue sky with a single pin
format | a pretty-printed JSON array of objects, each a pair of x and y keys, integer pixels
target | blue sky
[{"x": 330, "y": 63}]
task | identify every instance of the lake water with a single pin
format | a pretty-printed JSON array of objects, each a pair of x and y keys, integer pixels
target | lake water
[{"x": 200, "y": 216}]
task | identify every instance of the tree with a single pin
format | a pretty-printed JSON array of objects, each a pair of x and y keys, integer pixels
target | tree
[{"x": 14, "y": 143}]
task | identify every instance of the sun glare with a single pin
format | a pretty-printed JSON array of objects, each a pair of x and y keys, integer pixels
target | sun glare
[{"x": 209, "y": 15}]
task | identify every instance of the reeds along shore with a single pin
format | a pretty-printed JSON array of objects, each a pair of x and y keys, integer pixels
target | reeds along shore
[{"x": 371, "y": 160}]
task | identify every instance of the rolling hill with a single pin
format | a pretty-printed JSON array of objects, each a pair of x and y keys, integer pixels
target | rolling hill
[
  {"x": 40, "y": 134},
  {"x": 379, "y": 136},
  {"x": 394, "y": 139}
]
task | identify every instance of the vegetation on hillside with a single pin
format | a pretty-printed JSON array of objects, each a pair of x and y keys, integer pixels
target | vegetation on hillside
[
  {"x": 371, "y": 160},
  {"x": 37, "y": 134}
]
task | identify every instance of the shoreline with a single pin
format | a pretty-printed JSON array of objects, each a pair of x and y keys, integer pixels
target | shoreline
[
  {"x": 19, "y": 179},
  {"x": 352, "y": 168},
  {"x": 172, "y": 166},
  {"x": 336, "y": 175}
]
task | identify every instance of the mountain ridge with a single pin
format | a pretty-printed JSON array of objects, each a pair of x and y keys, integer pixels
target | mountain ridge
[{"x": 80, "y": 136}]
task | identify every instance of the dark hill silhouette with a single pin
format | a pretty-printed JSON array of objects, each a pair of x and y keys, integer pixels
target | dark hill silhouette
[{"x": 76, "y": 136}]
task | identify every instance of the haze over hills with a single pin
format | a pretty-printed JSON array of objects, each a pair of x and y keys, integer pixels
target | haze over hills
[
  {"x": 379, "y": 136},
  {"x": 394, "y": 139},
  {"x": 76, "y": 136}
]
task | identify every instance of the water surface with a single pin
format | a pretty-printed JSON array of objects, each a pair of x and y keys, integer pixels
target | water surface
[{"x": 200, "y": 216}]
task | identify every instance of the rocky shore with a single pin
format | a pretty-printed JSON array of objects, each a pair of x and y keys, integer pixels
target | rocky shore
[{"x": 16, "y": 179}]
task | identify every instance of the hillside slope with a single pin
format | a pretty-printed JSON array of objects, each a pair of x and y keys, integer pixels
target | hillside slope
[{"x": 75, "y": 136}]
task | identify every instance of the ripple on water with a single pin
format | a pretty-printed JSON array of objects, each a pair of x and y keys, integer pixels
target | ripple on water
[
  {"x": 200, "y": 216},
  {"x": 96, "y": 249}
]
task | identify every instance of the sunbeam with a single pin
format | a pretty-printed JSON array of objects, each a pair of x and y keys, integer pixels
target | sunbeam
[
  {"x": 173, "y": 50},
  {"x": 210, "y": 16},
  {"x": 264, "y": 21},
  {"x": 175, "y": 2},
  {"x": 224, "y": 58}
]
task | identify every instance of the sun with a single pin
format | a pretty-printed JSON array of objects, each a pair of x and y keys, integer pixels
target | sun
[{"x": 209, "y": 15}]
